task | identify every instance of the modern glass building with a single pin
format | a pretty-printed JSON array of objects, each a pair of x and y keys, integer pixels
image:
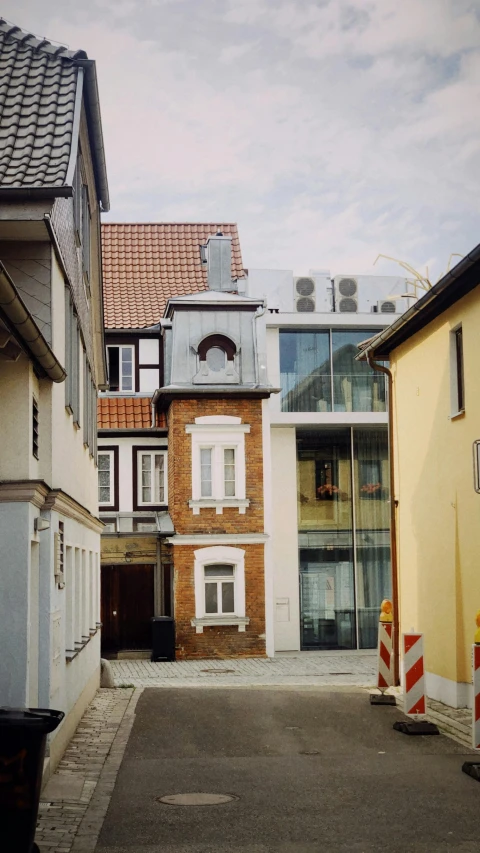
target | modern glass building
[{"x": 330, "y": 477}]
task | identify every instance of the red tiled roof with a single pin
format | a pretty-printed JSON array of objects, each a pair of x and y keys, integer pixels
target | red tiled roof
[
  {"x": 126, "y": 413},
  {"x": 146, "y": 263}
]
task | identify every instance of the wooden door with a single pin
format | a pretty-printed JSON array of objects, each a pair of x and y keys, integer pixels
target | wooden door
[
  {"x": 136, "y": 606},
  {"x": 127, "y": 607},
  {"x": 110, "y": 605}
]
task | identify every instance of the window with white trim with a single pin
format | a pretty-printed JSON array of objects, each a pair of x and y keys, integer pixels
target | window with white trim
[
  {"x": 219, "y": 573},
  {"x": 151, "y": 477},
  {"x": 106, "y": 473},
  {"x": 121, "y": 362},
  {"x": 219, "y": 589},
  {"x": 218, "y": 463}
]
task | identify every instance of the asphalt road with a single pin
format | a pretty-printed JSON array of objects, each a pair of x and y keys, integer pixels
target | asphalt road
[{"x": 313, "y": 770}]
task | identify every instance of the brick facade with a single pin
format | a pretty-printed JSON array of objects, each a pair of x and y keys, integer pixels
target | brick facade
[
  {"x": 221, "y": 641},
  {"x": 226, "y": 640},
  {"x": 183, "y": 412}
]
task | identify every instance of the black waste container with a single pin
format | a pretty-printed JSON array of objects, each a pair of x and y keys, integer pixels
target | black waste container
[
  {"x": 23, "y": 734},
  {"x": 163, "y": 638}
]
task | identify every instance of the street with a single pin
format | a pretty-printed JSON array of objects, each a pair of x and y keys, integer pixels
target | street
[{"x": 311, "y": 770}]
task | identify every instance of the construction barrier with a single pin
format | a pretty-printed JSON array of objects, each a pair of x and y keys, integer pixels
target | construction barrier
[
  {"x": 476, "y": 698},
  {"x": 385, "y": 657},
  {"x": 415, "y": 699}
]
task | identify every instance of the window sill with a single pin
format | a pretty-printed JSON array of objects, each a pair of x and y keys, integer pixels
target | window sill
[
  {"x": 70, "y": 654},
  {"x": 219, "y": 504},
  {"x": 200, "y": 624},
  {"x": 457, "y": 415}
]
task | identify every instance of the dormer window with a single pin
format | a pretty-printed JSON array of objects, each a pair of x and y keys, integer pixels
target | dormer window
[{"x": 216, "y": 361}]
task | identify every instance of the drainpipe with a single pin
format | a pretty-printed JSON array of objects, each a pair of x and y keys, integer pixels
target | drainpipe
[
  {"x": 256, "y": 317},
  {"x": 393, "y": 520}
]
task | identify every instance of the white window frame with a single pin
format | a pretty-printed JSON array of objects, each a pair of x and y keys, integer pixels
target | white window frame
[
  {"x": 152, "y": 452},
  {"x": 218, "y": 433},
  {"x": 219, "y": 580},
  {"x": 111, "y": 502},
  {"x": 216, "y": 555},
  {"x": 121, "y": 389}
]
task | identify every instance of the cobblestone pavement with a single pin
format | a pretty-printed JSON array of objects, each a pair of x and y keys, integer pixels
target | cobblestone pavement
[
  {"x": 75, "y": 799},
  {"x": 305, "y": 669}
]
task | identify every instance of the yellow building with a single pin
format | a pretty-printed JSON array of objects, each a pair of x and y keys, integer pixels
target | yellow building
[{"x": 434, "y": 352}]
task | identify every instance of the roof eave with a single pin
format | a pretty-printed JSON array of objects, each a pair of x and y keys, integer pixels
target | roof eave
[
  {"x": 34, "y": 193},
  {"x": 26, "y": 330},
  {"x": 459, "y": 281},
  {"x": 94, "y": 121}
]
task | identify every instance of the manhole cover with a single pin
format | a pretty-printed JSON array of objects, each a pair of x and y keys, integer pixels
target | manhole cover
[
  {"x": 218, "y": 671},
  {"x": 196, "y": 799}
]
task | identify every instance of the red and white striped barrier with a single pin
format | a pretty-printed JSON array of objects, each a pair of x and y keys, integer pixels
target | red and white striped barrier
[
  {"x": 415, "y": 700},
  {"x": 476, "y": 698},
  {"x": 385, "y": 660}
]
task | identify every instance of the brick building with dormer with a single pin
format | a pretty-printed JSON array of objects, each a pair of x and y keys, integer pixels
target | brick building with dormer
[{"x": 181, "y": 443}]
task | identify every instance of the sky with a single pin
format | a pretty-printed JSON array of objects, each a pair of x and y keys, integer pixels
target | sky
[{"x": 330, "y": 130}]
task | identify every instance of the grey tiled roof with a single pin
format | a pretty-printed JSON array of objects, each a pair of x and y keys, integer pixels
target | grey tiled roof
[{"x": 38, "y": 82}]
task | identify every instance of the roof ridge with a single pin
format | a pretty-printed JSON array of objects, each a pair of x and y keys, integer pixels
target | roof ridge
[{"x": 38, "y": 43}]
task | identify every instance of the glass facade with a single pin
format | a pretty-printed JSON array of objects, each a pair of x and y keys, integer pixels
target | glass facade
[
  {"x": 344, "y": 535},
  {"x": 318, "y": 372}
]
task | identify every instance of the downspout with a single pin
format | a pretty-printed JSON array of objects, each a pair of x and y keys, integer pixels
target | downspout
[
  {"x": 393, "y": 520},
  {"x": 256, "y": 317}
]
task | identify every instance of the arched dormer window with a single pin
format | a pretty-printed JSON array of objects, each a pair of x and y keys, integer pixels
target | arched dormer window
[
  {"x": 216, "y": 355},
  {"x": 216, "y": 342}
]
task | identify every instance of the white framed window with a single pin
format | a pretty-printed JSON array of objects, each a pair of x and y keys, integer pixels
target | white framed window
[
  {"x": 121, "y": 365},
  {"x": 218, "y": 463},
  {"x": 151, "y": 476},
  {"x": 219, "y": 573},
  {"x": 219, "y": 589},
  {"x": 106, "y": 477}
]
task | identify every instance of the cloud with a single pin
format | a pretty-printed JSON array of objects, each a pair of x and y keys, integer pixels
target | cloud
[{"x": 330, "y": 131}]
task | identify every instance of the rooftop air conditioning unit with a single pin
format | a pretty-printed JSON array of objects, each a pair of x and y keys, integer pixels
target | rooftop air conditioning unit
[
  {"x": 304, "y": 294},
  {"x": 386, "y": 306},
  {"x": 346, "y": 294}
]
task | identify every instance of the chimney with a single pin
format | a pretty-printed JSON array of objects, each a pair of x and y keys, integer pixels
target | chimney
[{"x": 218, "y": 254}]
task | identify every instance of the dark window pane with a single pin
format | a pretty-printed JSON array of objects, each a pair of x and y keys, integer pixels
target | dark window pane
[
  {"x": 356, "y": 387},
  {"x": 211, "y": 600},
  {"x": 219, "y": 571},
  {"x": 305, "y": 371},
  {"x": 227, "y": 598},
  {"x": 460, "y": 380},
  {"x": 113, "y": 368}
]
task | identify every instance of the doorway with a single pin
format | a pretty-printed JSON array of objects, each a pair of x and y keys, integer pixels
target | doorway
[{"x": 127, "y": 602}]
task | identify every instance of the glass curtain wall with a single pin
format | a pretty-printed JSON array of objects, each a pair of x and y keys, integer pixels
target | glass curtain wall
[
  {"x": 372, "y": 526},
  {"x": 305, "y": 371},
  {"x": 318, "y": 372},
  {"x": 344, "y": 539}
]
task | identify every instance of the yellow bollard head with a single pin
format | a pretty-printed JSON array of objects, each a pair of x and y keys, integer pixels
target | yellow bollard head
[
  {"x": 477, "y": 632},
  {"x": 386, "y": 611}
]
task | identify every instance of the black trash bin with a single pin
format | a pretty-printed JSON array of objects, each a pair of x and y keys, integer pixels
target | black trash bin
[
  {"x": 23, "y": 734},
  {"x": 163, "y": 638}
]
